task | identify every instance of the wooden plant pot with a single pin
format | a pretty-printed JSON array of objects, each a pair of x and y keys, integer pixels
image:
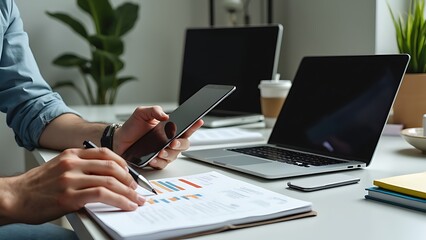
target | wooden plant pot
[{"x": 410, "y": 102}]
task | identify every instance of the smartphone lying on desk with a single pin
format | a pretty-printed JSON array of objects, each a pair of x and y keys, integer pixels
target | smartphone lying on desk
[
  {"x": 181, "y": 119},
  {"x": 320, "y": 182}
]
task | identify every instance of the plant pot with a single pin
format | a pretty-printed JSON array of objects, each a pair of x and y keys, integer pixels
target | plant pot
[{"x": 410, "y": 102}]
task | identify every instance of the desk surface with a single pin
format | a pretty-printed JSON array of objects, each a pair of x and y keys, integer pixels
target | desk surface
[{"x": 343, "y": 213}]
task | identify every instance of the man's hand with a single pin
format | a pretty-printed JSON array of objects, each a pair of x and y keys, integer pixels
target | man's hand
[
  {"x": 144, "y": 119},
  {"x": 66, "y": 183}
]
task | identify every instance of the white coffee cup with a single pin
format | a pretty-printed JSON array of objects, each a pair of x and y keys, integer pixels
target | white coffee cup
[{"x": 272, "y": 96}]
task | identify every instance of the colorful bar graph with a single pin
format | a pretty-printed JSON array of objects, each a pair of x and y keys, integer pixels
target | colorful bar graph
[
  {"x": 158, "y": 191},
  {"x": 189, "y": 183},
  {"x": 161, "y": 186},
  {"x": 173, "y": 186},
  {"x": 167, "y": 186},
  {"x": 194, "y": 196},
  {"x": 174, "y": 199},
  {"x": 176, "y": 186},
  {"x": 152, "y": 201}
]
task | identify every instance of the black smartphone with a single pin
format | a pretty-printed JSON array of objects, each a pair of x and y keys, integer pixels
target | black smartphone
[
  {"x": 320, "y": 182},
  {"x": 182, "y": 118}
]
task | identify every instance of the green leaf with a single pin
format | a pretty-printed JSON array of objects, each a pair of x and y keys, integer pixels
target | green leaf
[
  {"x": 119, "y": 82},
  {"x": 70, "y": 60},
  {"x": 73, "y": 23},
  {"x": 410, "y": 29},
  {"x": 113, "y": 62},
  {"x": 126, "y": 16},
  {"x": 108, "y": 82},
  {"x": 125, "y": 79},
  {"x": 111, "y": 44},
  {"x": 104, "y": 64},
  {"x": 102, "y": 14},
  {"x": 106, "y": 47}
]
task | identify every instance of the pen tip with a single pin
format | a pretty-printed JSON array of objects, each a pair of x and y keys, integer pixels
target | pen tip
[{"x": 153, "y": 190}]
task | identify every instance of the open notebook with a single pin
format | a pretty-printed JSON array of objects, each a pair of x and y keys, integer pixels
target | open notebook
[{"x": 198, "y": 204}]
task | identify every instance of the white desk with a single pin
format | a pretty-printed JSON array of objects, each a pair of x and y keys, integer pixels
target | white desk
[{"x": 343, "y": 213}]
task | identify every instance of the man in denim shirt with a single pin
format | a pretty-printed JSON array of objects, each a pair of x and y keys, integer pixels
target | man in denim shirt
[{"x": 76, "y": 176}]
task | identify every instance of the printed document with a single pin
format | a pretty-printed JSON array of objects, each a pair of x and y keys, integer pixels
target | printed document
[
  {"x": 224, "y": 135},
  {"x": 195, "y": 203}
]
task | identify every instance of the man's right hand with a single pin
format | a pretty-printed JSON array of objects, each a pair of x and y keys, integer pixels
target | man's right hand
[{"x": 65, "y": 184}]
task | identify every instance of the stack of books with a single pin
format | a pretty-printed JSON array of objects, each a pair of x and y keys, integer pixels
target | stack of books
[{"x": 405, "y": 190}]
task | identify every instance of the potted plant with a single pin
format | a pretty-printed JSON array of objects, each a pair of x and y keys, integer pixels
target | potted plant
[
  {"x": 410, "y": 102},
  {"x": 102, "y": 68}
]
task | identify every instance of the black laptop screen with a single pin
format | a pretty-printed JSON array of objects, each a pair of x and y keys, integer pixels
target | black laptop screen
[
  {"x": 338, "y": 106},
  {"x": 239, "y": 56}
]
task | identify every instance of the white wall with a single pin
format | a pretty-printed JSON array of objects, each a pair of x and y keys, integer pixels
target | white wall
[
  {"x": 154, "y": 47},
  {"x": 152, "y": 51},
  {"x": 385, "y": 30},
  {"x": 326, "y": 27}
]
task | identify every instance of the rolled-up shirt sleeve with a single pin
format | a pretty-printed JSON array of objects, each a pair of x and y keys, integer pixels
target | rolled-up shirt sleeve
[{"x": 25, "y": 96}]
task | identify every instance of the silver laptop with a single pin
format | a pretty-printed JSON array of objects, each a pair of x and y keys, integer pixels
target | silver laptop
[
  {"x": 332, "y": 119},
  {"x": 239, "y": 56}
]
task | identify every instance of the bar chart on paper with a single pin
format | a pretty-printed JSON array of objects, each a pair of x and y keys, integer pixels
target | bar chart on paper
[
  {"x": 195, "y": 201},
  {"x": 178, "y": 185},
  {"x": 197, "y": 197},
  {"x": 174, "y": 198},
  {"x": 178, "y": 189}
]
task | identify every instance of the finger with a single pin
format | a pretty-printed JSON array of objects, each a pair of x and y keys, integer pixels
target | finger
[
  {"x": 150, "y": 113},
  {"x": 97, "y": 153},
  {"x": 109, "y": 182},
  {"x": 164, "y": 158},
  {"x": 169, "y": 154},
  {"x": 192, "y": 129},
  {"x": 100, "y": 174},
  {"x": 104, "y": 195},
  {"x": 108, "y": 168},
  {"x": 180, "y": 144},
  {"x": 159, "y": 163}
]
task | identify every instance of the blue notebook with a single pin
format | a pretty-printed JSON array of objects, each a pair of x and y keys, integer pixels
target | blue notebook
[{"x": 386, "y": 196}]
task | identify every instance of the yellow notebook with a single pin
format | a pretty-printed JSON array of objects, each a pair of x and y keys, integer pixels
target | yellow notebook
[{"x": 410, "y": 184}]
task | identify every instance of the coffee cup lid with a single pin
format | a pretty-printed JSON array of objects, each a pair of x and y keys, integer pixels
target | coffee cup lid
[{"x": 275, "y": 83}]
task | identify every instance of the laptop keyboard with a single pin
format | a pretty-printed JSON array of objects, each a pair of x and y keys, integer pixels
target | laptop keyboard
[{"x": 282, "y": 155}]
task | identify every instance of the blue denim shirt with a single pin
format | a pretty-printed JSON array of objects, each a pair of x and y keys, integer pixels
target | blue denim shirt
[{"x": 25, "y": 96}]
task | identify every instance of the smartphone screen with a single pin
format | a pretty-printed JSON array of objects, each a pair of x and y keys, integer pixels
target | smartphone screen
[{"x": 182, "y": 118}]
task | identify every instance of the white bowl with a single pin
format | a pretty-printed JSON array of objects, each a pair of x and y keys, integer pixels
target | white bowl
[{"x": 414, "y": 136}]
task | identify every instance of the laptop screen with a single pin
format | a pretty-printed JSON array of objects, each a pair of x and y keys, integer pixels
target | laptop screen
[
  {"x": 338, "y": 106},
  {"x": 239, "y": 56}
]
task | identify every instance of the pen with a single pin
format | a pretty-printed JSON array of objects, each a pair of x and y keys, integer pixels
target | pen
[{"x": 141, "y": 180}]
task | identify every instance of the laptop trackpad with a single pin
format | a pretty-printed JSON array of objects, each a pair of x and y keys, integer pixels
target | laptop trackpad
[{"x": 238, "y": 161}]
